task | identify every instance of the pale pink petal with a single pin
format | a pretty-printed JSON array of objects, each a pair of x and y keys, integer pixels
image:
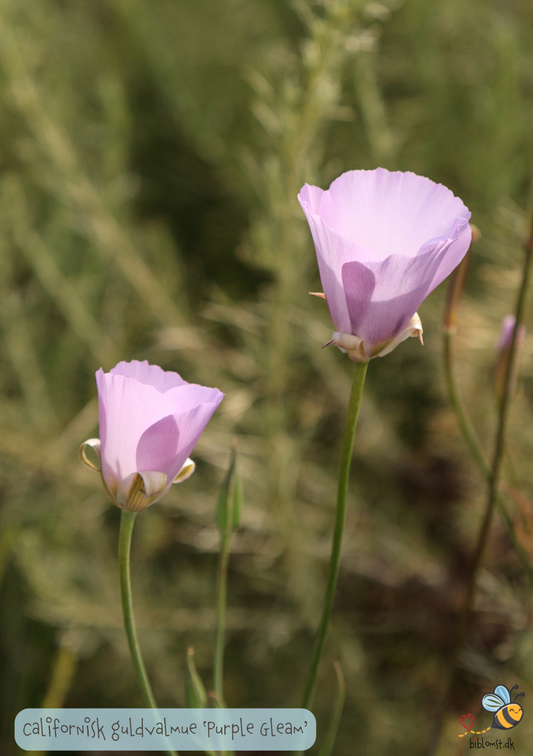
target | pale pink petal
[
  {"x": 191, "y": 395},
  {"x": 457, "y": 249},
  {"x": 390, "y": 213},
  {"x": 383, "y": 297},
  {"x": 158, "y": 447},
  {"x": 310, "y": 196},
  {"x": 332, "y": 252},
  {"x": 152, "y": 375},
  {"x": 127, "y": 409},
  {"x": 190, "y": 426}
]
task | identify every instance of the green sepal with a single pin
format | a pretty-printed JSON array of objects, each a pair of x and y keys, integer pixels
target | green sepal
[{"x": 195, "y": 695}]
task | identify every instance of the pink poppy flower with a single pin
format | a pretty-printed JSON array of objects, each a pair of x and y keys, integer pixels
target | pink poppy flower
[
  {"x": 383, "y": 241},
  {"x": 150, "y": 421}
]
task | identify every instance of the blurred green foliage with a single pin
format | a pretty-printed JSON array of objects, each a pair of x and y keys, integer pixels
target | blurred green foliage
[{"x": 150, "y": 155}]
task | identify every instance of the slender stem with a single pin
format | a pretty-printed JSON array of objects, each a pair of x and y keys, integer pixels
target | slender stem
[
  {"x": 222, "y": 585},
  {"x": 358, "y": 383},
  {"x": 127, "y": 521},
  {"x": 492, "y": 494},
  {"x": 463, "y": 419},
  {"x": 472, "y": 439}
]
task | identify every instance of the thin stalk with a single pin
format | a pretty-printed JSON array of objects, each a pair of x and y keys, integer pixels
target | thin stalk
[
  {"x": 463, "y": 419},
  {"x": 222, "y": 590},
  {"x": 472, "y": 440},
  {"x": 354, "y": 404},
  {"x": 127, "y": 521},
  {"x": 492, "y": 494}
]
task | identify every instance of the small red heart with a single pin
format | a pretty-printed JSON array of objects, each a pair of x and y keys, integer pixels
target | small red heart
[{"x": 469, "y": 724}]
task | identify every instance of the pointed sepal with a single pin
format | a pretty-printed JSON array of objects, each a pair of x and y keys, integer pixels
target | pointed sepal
[
  {"x": 195, "y": 695},
  {"x": 94, "y": 444},
  {"x": 186, "y": 471},
  {"x": 138, "y": 490}
]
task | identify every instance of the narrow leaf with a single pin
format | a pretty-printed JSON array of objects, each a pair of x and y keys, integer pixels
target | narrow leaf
[{"x": 195, "y": 695}]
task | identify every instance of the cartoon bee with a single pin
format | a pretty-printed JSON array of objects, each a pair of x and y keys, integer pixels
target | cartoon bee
[{"x": 507, "y": 713}]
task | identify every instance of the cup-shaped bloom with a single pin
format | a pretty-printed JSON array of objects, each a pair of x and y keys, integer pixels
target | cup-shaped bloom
[
  {"x": 150, "y": 421},
  {"x": 383, "y": 241},
  {"x": 503, "y": 351}
]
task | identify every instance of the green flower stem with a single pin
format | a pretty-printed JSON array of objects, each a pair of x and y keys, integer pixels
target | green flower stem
[
  {"x": 222, "y": 589},
  {"x": 492, "y": 495},
  {"x": 358, "y": 383},
  {"x": 472, "y": 440},
  {"x": 127, "y": 520},
  {"x": 463, "y": 419}
]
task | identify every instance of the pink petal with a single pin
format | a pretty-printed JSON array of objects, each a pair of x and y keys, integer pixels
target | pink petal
[
  {"x": 158, "y": 446},
  {"x": 454, "y": 253},
  {"x": 127, "y": 409},
  {"x": 152, "y": 375},
  {"x": 332, "y": 252},
  {"x": 390, "y": 213},
  {"x": 181, "y": 433},
  {"x": 383, "y": 297},
  {"x": 192, "y": 394}
]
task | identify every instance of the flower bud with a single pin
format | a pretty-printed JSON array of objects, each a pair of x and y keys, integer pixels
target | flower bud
[{"x": 503, "y": 350}]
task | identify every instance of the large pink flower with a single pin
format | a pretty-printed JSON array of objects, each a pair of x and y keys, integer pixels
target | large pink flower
[
  {"x": 383, "y": 241},
  {"x": 150, "y": 421}
]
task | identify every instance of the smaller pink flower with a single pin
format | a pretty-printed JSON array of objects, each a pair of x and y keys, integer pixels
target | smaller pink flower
[{"x": 150, "y": 421}]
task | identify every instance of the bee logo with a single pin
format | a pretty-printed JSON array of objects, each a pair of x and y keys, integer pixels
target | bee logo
[{"x": 507, "y": 713}]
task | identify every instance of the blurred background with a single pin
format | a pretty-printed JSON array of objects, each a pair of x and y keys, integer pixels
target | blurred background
[{"x": 150, "y": 157}]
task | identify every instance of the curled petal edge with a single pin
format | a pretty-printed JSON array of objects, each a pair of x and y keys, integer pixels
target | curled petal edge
[
  {"x": 140, "y": 489},
  {"x": 348, "y": 343},
  {"x": 358, "y": 351},
  {"x": 186, "y": 471},
  {"x": 94, "y": 444}
]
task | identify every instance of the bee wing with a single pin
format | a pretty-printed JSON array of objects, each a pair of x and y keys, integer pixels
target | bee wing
[
  {"x": 492, "y": 702},
  {"x": 503, "y": 692}
]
